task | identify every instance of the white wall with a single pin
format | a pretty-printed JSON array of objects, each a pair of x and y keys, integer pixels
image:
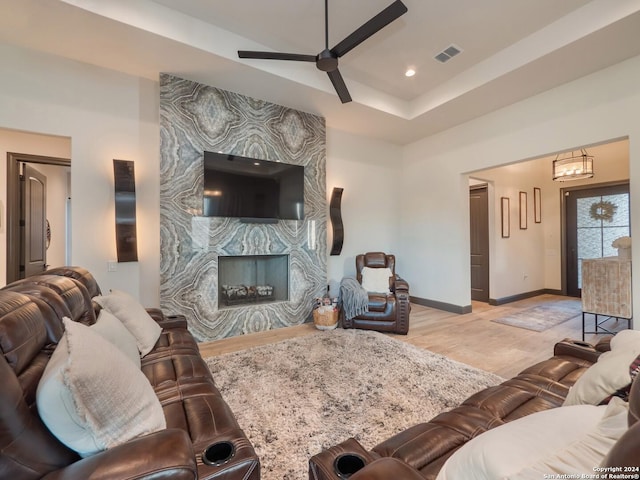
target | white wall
[
  {"x": 416, "y": 207},
  {"x": 33, "y": 144},
  {"x": 369, "y": 172},
  {"x": 594, "y": 109},
  {"x": 107, "y": 115}
]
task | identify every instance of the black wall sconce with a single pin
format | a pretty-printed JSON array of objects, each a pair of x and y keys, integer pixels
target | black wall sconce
[
  {"x": 336, "y": 220},
  {"x": 125, "y": 197}
]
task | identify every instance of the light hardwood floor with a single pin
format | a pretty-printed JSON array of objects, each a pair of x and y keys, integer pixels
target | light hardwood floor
[{"x": 471, "y": 338}]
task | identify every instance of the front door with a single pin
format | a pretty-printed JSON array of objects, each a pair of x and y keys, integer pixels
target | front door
[
  {"x": 33, "y": 222},
  {"x": 479, "y": 242},
  {"x": 594, "y": 218}
]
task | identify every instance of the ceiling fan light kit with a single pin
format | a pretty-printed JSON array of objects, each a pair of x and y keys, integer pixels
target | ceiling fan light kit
[{"x": 327, "y": 59}]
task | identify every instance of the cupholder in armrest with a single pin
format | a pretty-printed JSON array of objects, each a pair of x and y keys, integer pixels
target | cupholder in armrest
[
  {"x": 347, "y": 464},
  {"x": 218, "y": 453}
]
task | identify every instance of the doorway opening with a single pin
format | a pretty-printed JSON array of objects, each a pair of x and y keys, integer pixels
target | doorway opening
[
  {"x": 526, "y": 221},
  {"x": 38, "y": 213}
]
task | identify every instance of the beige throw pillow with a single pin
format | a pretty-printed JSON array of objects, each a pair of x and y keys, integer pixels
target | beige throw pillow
[
  {"x": 559, "y": 441},
  {"x": 112, "y": 329},
  {"x": 609, "y": 374},
  {"x": 586, "y": 453},
  {"x": 133, "y": 315},
  {"x": 92, "y": 397},
  {"x": 376, "y": 280}
]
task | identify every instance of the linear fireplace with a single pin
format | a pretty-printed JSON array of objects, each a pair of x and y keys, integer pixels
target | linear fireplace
[{"x": 250, "y": 279}]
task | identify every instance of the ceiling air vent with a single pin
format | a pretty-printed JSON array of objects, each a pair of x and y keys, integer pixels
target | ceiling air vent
[{"x": 448, "y": 53}]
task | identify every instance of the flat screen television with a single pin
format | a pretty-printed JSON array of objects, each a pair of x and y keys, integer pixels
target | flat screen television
[{"x": 252, "y": 189}]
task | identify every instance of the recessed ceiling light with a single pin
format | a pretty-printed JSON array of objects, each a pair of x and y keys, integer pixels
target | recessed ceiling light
[{"x": 410, "y": 72}]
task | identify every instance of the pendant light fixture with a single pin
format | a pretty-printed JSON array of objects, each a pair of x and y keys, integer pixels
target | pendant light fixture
[{"x": 574, "y": 165}]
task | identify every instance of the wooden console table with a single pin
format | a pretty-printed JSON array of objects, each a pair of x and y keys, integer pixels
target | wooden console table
[{"x": 606, "y": 290}]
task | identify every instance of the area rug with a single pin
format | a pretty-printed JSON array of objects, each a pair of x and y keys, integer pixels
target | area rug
[
  {"x": 298, "y": 397},
  {"x": 543, "y": 317}
]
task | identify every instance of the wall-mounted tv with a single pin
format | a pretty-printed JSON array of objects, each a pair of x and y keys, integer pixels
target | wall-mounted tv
[{"x": 252, "y": 189}]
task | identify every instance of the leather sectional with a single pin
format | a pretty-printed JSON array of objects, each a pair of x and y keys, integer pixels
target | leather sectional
[
  {"x": 197, "y": 416},
  {"x": 199, "y": 420},
  {"x": 420, "y": 451}
]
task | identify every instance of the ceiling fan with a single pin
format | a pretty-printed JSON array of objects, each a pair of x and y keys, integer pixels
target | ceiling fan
[{"x": 327, "y": 59}]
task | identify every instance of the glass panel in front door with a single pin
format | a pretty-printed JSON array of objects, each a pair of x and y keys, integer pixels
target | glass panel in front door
[{"x": 600, "y": 220}]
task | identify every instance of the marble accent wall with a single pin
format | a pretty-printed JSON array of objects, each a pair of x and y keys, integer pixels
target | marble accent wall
[{"x": 195, "y": 118}]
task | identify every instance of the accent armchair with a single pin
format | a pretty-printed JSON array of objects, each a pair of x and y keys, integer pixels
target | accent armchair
[{"x": 388, "y": 311}]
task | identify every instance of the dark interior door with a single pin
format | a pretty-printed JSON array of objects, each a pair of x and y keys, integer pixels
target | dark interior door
[
  {"x": 594, "y": 218},
  {"x": 33, "y": 222},
  {"x": 479, "y": 228}
]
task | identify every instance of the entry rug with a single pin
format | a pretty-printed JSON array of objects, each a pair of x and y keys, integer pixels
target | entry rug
[
  {"x": 298, "y": 397},
  {"x": 543, "y": 317}
]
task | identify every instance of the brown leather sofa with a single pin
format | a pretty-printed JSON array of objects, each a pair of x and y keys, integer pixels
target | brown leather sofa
[
  {"x": 197, "y": 416},
  {"x": 387, "y": 312},
  {"x": 420, "y": 451}
]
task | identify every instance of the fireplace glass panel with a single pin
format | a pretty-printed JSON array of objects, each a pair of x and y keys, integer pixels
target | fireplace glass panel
[{"x": 250, "y": 279}]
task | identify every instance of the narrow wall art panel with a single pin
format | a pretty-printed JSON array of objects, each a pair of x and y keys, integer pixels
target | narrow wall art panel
[
  {"x": 335, "y": 214},
  {"x": 125, "y": 200}
]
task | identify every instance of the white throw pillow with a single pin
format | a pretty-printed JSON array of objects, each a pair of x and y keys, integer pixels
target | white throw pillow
[
  {"x": 588, "y": 452},
  {"x": 92, "y": 397},
  {"x": 580, "y": 434},
  {"x": 133, "y": 315},
  {"x": 609, "y": 373},
  {"x": 112, "y": 329},
  {"x": 376, "y": 280}
]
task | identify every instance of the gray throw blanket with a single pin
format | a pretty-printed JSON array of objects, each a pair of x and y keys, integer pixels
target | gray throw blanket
[{"x": 354, "y": 298}]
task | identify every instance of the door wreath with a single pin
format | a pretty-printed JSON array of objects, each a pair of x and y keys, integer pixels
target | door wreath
[{"x": 603, "y": 210}]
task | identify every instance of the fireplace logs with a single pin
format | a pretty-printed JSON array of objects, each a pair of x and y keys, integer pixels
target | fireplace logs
[{"x": 240, "y": 294}]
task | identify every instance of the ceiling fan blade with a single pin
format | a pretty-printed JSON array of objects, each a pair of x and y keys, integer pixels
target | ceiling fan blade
[
  {"x": 377, "y": 23},
  {"x": 276, "y": 56},
  {"x": 339, "y": 85}
]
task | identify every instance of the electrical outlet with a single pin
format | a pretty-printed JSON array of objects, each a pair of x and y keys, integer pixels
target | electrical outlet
[{"x": 112, "y": 266}]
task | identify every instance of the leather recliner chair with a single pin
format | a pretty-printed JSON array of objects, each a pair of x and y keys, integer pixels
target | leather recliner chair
[{"x": 387, "y": 312}]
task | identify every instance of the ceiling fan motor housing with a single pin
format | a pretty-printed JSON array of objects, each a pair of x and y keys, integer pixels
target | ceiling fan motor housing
[{"x": 327, "y": 61}]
